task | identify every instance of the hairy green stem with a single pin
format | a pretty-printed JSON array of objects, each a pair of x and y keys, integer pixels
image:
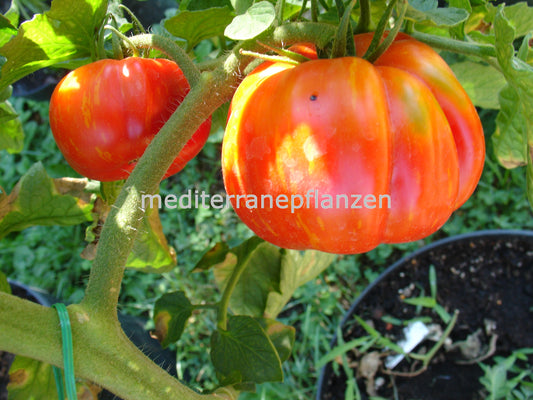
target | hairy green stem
[
  {"x": 267, "y": 57},
  {"x": 169, "y": 47},
  {"x": 102, "y": 352},
  {"x": 137, "y": 25},
  {"x": 124, "y": 38},
  {"x": 456, "y": 46}
]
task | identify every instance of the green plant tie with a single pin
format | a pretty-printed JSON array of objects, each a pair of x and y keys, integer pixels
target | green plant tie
[{"x": 68, "y": 358}]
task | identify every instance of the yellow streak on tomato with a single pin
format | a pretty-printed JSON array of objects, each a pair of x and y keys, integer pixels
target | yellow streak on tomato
[
  {"x": 86, "y": 107},
  {"x": 104, "y": 155}
]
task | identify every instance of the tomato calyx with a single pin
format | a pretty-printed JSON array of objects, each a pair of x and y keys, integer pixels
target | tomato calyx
[
  {"x": 382, "y": 38},
  {"x": 343, "y": 43}
]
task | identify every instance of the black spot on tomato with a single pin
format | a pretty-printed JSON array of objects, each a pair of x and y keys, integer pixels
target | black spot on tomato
[{"x": 313, "y": 97}]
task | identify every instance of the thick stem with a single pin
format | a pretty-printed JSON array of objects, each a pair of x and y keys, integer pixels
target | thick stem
[
  {"x": 122, "y": 223},
  {"x": 169, "y": 47},
  {"x": 456, "y": 46},
  {"x": 102, "y": 353}
]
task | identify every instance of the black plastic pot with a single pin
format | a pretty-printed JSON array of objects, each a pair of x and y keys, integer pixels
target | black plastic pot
[{"x": 503, "y": 256}]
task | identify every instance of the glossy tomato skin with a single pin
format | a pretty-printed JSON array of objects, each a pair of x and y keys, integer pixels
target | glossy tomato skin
[
  {"x": 421, "y": 61},
  {"x": 103, "y": 115},
  {"x": 338, "y": 129}
]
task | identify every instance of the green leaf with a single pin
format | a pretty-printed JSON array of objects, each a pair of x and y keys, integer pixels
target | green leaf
[
  {"x": 520, "y": 16},
  {"x": 524, "y": 50},
  {"x": 241, "y": 6},
  {"x": 4, "y": 284},
  {"x": 7, "y": 30},
  {"x": 297, "y": 268},
  {"x": 11, "y": 133},
  {"x": 341, "y": 349},
  {"x": 257, "y": 19},
  {"x": 427, "y": 10},
  {"x": 482, "y": 83},
  {"x": 195, "y": 26},
  {"x": 213, "y": 257},
  {"x": 281, "y": 335},
  {"x": 259, "y": 278},
  {"x": 244, "y": 353},
  {"x": 195, "y": 5},
  {"x": 33, "y": 380},
  {"x": 271, "y": 277},
  {"x": 13, "y": 14},
  {"x": 510, "y": 136},
  {"x": 442, "y": 313},
  {"x": 428, "y": 302},
  {"x": 380, "y": 339},
  {"x": 63, "y": 36},
  {"x": 39, "y": 200},
  {"x": 513, "y": 138},
  {"x": 458, "y": 31},
  {"x": 171, "y": 312},
  {"x": 151, "y": 252}
]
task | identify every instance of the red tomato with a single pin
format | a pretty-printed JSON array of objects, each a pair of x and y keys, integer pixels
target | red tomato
[
  {"x": 352, "y": 154},
  {"x": 103, "y": 115}
]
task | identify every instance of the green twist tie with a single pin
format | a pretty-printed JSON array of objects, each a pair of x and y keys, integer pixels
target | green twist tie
[{"x": 68, "y": 357}]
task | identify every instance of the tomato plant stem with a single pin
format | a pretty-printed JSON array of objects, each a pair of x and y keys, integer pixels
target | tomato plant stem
[
  {"x": 456, "y": 46},
  {"x": 124, "y": 38},
  {"x": 109, "y": 359},
  {"x": 169, "y": 47},
  {"x": 363, "y": 25},
  {"x": 380, "y": 31},
  {"x": 343, "y": 43},
  {"x": 383, "y": 46},
  {"x": 267, "y": 57},
  {"x": 280, "y": 8},
  {"x": 137, "y": 25},
  {"x": 314, "y": 10},
  {"x": 222, "y": 322}
]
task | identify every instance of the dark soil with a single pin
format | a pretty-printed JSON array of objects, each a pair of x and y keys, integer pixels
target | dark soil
[{"x": 482, "y": 277}]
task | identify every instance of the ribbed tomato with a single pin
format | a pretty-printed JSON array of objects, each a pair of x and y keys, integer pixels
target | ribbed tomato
[
  {"x": 341, "y": 155},
  {"x": 103, "y": 115}
]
